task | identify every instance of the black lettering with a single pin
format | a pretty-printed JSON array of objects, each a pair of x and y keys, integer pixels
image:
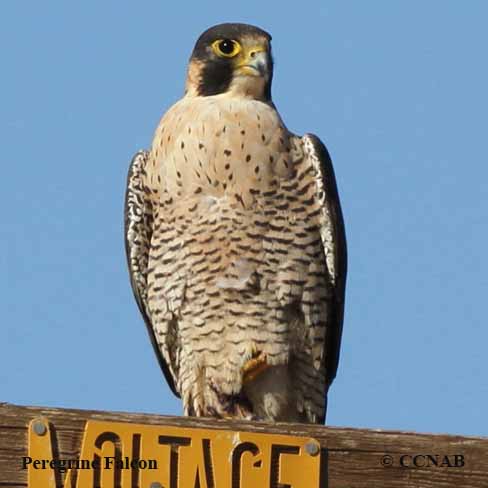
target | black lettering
[
  {"x": 416, "y": 462},
  {"x": 175, "y": 443},
  {"x": 276, "y": 451},
  {"x": 432, "y": 460},
  {"x": 324, "y": 468},
  {"x": 446, "y": 463},
  {"x": 197, "y": 480},
  {"x": 26, "y": 460},
  {"x": 99, "y": 442},
  {"x": 136, "y": 454},
  {"x": 458, "y": 460},
  {"x": 236, "y": 461},
  {"x": 403, "y": 460},
  {"x": 61, "y": 465},
  {"x": 207, "y": 458}
]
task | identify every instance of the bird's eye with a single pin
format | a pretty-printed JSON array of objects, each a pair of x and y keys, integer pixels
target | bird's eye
[{"x": 226, "y": 48}]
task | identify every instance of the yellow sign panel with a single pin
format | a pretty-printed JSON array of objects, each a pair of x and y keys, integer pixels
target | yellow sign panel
[{"x": 125, "y": 455}]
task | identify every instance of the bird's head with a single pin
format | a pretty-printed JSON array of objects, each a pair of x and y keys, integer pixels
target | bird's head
[{"x": 231, "y": 58}]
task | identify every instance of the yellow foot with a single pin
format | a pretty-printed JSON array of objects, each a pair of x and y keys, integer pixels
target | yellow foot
[{"x": 254, "y": 367}]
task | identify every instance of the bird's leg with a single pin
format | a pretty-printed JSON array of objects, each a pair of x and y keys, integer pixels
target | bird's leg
[
  {"x": 228, "y": 406},
  {"x": 244, "y": 412},
  {"x": 254, "y": 367}
]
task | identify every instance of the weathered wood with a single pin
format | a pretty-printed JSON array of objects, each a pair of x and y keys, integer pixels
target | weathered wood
[{"x": 354, "y": 456}]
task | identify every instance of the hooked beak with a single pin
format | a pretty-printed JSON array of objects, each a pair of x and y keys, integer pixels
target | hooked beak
[{"x": 256, "y": 63}]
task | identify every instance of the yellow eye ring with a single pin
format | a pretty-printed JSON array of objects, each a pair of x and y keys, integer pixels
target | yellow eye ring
[{"x": 226, "y": 48}]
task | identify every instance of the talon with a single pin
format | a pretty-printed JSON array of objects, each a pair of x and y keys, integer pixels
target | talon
[
  {"x": 255, "y": 418},
  {"x": 254, "y": 367},
  {"x": 241, "y": 412}
]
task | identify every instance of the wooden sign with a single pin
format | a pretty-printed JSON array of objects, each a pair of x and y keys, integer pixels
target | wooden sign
[{"x": 128, "y": 450}]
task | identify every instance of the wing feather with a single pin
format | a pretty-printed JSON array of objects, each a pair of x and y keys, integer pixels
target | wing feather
[
  {"x": 333, "y": 238},
  {"x": 138, "y": 217}
]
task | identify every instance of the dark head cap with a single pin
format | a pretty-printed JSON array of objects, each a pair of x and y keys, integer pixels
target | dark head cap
[
  {"x": 231, "y": 57},
  {"x": 227, "y": 31}
]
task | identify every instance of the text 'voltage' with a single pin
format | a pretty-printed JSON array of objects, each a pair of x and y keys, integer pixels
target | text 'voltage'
[{"x": 126, "y": 455}]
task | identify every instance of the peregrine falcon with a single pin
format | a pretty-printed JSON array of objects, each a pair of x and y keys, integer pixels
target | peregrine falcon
[{"x": 235, "y": 243}]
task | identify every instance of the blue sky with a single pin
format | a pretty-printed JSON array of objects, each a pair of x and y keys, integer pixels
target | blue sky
[{"x": 396, "y": 90}]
